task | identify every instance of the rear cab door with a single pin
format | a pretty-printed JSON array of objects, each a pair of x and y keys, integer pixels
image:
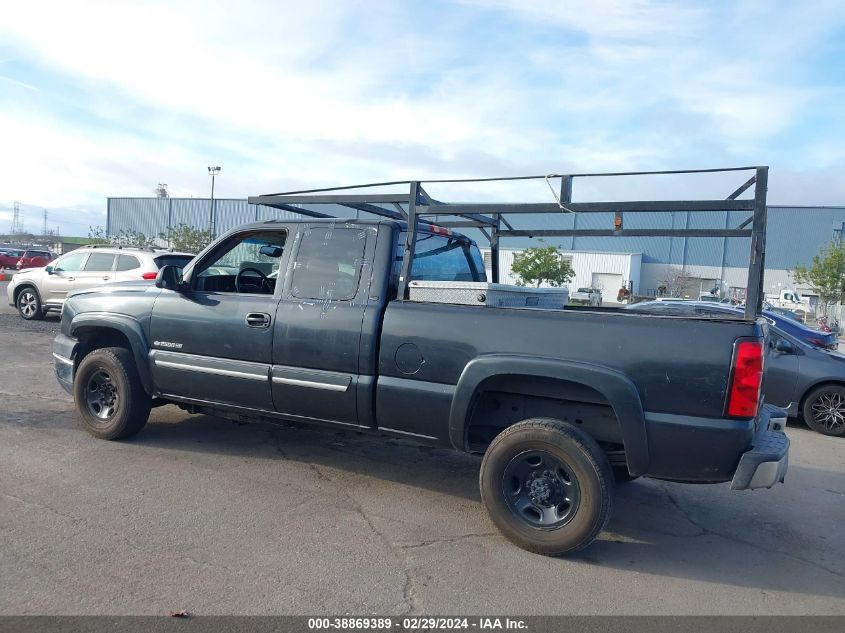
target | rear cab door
[{"x": 327, "y": 322}]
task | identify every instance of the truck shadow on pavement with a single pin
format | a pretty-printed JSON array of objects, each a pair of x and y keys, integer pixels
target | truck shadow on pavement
[{"x": 707, "y": 533}]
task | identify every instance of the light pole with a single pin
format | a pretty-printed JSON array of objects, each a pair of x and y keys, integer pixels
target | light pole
[{"x": 213, "y": 171}]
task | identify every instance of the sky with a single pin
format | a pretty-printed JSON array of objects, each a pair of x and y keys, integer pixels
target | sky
[{"x": 107, "y": 99}]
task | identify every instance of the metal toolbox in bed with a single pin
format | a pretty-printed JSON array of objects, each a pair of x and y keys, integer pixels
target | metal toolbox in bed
[{"x": 480, "y": 293}]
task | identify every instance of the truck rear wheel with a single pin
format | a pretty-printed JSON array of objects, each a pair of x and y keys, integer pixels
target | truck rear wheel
[
  {"x": 109, "y": 397},
  {"x": 547, "y": 486}
]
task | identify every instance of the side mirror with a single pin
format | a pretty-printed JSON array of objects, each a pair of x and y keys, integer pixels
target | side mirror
[
  {"x": 49, "y": 269},
  {"x": 784, "y": 347},
  {"x": 170, "y": 278}
]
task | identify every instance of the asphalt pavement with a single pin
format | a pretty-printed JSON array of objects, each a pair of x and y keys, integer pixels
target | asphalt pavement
[{"x": 216, "y": 517}]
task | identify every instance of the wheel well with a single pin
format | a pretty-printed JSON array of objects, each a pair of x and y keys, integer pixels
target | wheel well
[
  {"x": 502, "y": 401},
  {"x": 94, "y": 338},
  {"x": 22, "y": 287},
  {"x": 810, "y": 389}
]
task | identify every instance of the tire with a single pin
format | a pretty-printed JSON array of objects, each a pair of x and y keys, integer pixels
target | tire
[
  {"x": 28, "y": 303},
  {"x": 824, "y": 410},
  {"x": 531, "y": 502},
  {"x": 622, "y": 476},
  {"x": 109, "y": 397}
]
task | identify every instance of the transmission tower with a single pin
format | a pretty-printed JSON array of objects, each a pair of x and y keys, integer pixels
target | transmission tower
[
  {"x": 161, "y": 190},
  {"x": 45, "y": 230},
  {"x": 17, "y": 223}
]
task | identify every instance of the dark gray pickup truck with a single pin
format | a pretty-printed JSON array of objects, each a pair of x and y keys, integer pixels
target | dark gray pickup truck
[{"x": 300, "y": 320}]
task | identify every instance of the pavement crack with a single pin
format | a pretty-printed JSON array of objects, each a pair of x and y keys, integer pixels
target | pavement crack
[
  {"x": 39, "y": 396},
  {"x": 409, "y": 588},
  {"x": 43, "y": 506},
  {"x": 742, "y": 541},
  {"x": 448, "y": 539}
]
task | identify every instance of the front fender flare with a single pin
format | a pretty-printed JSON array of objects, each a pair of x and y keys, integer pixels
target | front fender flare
[
  {"x": 127, "y": 326},
  {"x": 617, "y": 388}
]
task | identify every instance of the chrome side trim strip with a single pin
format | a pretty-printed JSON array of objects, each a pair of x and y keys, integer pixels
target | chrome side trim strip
[
  {"x": 310, "y": 383},
  {"x": 210, "y": 370},
  {"x": 62, "y": 359},
  {"x": 428, "y": 437},
  {"x": 266, "y": 412}
]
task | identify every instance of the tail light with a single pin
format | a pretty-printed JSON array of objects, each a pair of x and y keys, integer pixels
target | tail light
[
  {"x": 746, "y": 380},
  {"x": 149, "y": 275}
]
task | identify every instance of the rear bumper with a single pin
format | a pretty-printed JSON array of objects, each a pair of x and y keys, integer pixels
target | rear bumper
[
  {"x": 64, "y": 354},
  {"x": 705, "y": 450},
  {"x": 766, "y": 463}
]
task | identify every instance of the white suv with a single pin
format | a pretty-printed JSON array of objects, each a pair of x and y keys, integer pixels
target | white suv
[{"x": 36, "y": 290}]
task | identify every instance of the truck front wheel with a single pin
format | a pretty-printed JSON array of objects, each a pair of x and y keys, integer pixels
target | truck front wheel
[
  {"x": 110, "y": 399},
  {"x": 547, "y": 486}
]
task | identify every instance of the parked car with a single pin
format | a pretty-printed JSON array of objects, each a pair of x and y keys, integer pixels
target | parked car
[
  {"x": 805, "y": 378},
  {"x": 586, "y": 296},
  {"x": 789, "y": 314},
  {"x": 9, "y": 257},
  {"x": 301, "y": 320},
  {"x": 35, "y": 291},
  {"x": 810, "y": 336},
  {"x": 34, "y": 258}
]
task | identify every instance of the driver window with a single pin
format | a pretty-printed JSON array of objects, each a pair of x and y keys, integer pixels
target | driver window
[
  {"x": 70, "y": 263},
  {"x": 247, "y": 263}
]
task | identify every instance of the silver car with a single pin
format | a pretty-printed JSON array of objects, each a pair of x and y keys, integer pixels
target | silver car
[{"x": 37, "y": 290}]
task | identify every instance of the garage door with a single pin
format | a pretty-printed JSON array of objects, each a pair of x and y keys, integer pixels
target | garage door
[{"x": 609, "y": 284}]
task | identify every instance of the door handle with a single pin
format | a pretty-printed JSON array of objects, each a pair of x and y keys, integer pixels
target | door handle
[
  {"x": 71, "y": 278},
  {"x": 106, "y": 277},
  {"x": 258, "y": 319}
]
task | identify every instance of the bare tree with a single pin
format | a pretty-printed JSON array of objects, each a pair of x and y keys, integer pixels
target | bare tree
[{"x": 676, "y": 282}]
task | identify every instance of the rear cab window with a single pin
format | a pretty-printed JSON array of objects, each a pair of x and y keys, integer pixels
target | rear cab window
[
  {"x": 127, "y": 262},
  {"x": 442, "y": 258},
  {"x": 328, "y": 263}
]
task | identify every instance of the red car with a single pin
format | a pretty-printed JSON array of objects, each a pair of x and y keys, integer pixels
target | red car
[
  {"x": 9, "y": 257},
  {"x": 34, "y": 259}
]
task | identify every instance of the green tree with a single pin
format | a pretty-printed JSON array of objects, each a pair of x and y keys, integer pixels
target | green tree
[
  {"x": 187, "y": 238},
  {"x": 542, "y": 263},
  {"x": 826, "y": 275}
]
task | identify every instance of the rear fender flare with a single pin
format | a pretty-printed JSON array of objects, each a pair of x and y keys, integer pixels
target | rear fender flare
[{"x": 617, "y": 388}]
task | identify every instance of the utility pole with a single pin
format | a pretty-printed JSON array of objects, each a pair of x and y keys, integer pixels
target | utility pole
[{"x": 213, "y": 171}]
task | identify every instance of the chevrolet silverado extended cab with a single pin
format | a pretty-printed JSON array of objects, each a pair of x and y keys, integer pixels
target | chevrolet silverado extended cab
[{"x": 310, "y": 320}]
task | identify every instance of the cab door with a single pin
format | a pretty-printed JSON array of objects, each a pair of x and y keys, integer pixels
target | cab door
[
  {"x": 323, "y": 314},
  {"x": 781, "y": 370},
  {"x": 212, "y": 340}
]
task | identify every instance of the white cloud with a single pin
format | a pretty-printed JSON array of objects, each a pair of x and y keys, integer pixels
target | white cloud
[{"x": 293, "y": 94}]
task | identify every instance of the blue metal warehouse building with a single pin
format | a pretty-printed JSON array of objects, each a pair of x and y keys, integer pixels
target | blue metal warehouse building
[{"x": 794, "y": 235}]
